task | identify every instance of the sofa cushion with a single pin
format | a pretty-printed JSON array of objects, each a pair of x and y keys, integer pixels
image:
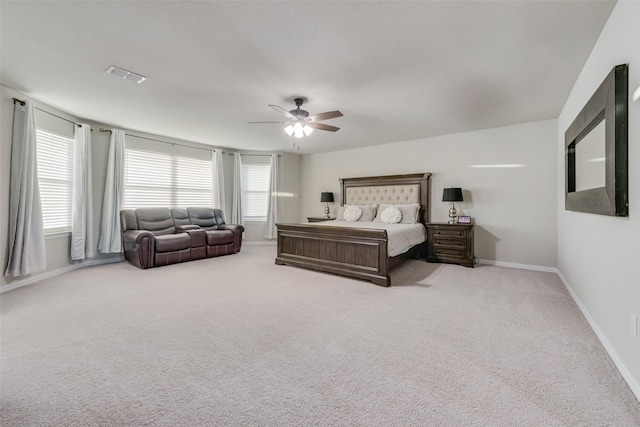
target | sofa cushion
[
  {"x": 180, "y": 216},
  {"x": 156, "y": 220},
  {"x": 173, "y": 242},
  {"x": 128, "y": 220},
  {"x": 220, "y": 237},
  {"x": 204, "y": 217},
  {"x": 219, "y": 216}
]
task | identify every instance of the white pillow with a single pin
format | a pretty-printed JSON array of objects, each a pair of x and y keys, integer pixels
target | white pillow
[
  {"x": 409, "y": 212},
  {"x": 352, "y": 213},
  {"x": 368, "y": 212},
  {"x": 391, "y": 215}
]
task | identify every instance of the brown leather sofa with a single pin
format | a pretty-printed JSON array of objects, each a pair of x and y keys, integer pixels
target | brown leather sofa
[{"x": 160, "y": 236}]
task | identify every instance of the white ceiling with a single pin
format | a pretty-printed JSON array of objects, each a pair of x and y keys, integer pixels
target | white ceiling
[{"x": 397, "y": 70}]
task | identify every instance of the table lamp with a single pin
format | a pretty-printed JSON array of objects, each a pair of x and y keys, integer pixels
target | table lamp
[
  {"x": 326, "y": 197},
  {"x": 453, "y": 194}
]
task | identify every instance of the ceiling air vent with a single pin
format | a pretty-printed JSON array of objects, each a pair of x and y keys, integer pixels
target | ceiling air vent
[{"x": 128, "y": 75}]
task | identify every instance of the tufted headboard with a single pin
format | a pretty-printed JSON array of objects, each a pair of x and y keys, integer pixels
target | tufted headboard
[{"x": 390, "y": 189}]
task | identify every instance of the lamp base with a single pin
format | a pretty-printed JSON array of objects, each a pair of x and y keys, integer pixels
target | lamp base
[
  {"x": 326, "y": 211},
  {"x": 453, "y": 214}
]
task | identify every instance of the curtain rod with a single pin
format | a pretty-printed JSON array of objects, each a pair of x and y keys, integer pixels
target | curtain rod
[
  {"x": 188, "y": 146},
  {"x": 21, "y": 102},
  {"x": 257, "y": 155},
  {"x": 164, "y": 142}
]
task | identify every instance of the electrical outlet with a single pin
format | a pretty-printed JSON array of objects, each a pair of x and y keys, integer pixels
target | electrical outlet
[{"x": 634, "y": 325}]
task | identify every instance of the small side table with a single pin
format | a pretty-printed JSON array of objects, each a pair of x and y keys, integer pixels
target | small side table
[
  {"x": 318, "y": 219},
  {"x": 451, "y": 243}
]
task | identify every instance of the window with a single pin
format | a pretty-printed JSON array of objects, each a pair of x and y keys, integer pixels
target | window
[
  {"x": 255, "y": 191},
  {"x": 156, "y": 179},
  {"x": 55, "y": 180}
]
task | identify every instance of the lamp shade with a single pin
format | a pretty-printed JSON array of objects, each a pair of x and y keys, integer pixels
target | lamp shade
[
  {"x": 453, "y": 194},
  {"x": 326, "y": 197}
]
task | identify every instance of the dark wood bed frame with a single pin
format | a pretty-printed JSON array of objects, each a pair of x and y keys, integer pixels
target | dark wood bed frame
[{"x": 354, "y": 252}]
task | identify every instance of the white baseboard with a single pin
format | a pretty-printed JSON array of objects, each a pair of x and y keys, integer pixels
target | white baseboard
[
  {"x": 515, "y": 265},
  {"x": 626, "y": 375},
  {"x": 47, "y": 274}
]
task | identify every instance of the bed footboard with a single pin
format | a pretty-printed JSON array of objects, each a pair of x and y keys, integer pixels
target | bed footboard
[{"x": 354, "y": 252}]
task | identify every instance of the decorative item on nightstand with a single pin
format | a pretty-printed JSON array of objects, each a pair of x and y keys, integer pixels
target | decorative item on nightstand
[
  {"x": 453, "y": 194},
  {"x": 326, "y": 197},
  {"x": 464, "y": 219}
]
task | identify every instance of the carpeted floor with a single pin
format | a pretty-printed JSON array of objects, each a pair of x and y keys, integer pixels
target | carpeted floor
[{"x": 239, "y": 341}]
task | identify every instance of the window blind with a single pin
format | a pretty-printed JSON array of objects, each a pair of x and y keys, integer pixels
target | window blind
[
  {"x": 157, "y": 179},
  {"x": 255, "y": 191},
  {"x": 55, "y": 180}
]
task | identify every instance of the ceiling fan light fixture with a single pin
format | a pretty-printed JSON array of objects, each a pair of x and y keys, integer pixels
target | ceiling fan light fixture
[
  {"x": 289, "y": 130},
  {"x": 307, "y": 130},
  {"x": 298, "y": 130}
]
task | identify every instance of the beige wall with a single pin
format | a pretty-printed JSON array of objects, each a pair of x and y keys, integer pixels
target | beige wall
[
  {"x": 57, "y": 246},
  {"x": 513, "y": 207},
  {"x": 598, "y": 255}
]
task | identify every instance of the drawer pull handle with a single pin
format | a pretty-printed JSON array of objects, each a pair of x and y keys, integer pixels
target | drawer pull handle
[
  {"x": 459, "y": 233},
  {"x": 459, "y": 243}
]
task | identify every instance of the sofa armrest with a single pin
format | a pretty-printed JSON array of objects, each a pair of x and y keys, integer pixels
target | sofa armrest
[
  {"x": 139, "y": 247},
  {"x": 187, "y": 227},
  {"x": 237, "y": 231},
  {"x": 198, "y": 237},
  {"x": 236, "y": 228},
  {"x": 135, "y": 236}
]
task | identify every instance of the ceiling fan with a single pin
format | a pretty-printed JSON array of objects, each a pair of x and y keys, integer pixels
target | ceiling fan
[{"x": 300, "y": 123}]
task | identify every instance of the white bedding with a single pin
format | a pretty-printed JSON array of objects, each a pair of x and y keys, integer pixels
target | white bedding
[{"x": 401, "y": 236}]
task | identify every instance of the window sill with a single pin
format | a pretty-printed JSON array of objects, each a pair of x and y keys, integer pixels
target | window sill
[{"x": 56, "y": 235}]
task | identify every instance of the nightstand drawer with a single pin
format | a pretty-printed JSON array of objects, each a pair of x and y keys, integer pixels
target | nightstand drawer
[
  {"x": 445, "y": 241},
  {"x": 449, "y": 252},
  {"x": 450, "y": 232}
]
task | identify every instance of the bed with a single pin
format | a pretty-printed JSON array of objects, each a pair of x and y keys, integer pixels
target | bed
[{"x": 357, "y": 251}]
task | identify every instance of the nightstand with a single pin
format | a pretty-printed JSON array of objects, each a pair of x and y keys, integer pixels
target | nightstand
[
  {"x": 452, "y": 243},
  {"x": 318, "y": 219}
]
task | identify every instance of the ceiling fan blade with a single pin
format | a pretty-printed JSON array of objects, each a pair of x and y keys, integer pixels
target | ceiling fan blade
[
  {"x": 279, "y": 109},
  {"x": 322, "y": 126},
  {"x": 325, "y": 116},
  {"x": 272, "y": 122}
]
